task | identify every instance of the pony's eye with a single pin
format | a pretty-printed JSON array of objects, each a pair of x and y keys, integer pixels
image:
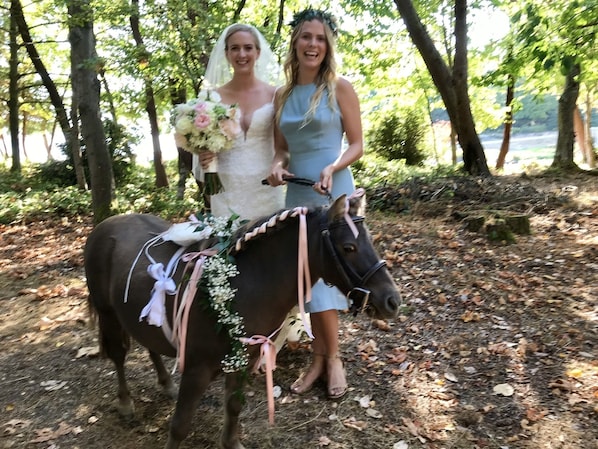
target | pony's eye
[{"x": 349, "y": 248}]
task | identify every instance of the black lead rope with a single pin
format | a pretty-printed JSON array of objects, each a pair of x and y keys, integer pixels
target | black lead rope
[{"x": 301, "y": 182}]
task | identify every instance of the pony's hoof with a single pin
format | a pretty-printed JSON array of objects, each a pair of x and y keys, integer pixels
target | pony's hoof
[
  {"x": 125, "y": 409},
  {"x": 233, "y": 445},
  {"x": 170, "y": 390}
]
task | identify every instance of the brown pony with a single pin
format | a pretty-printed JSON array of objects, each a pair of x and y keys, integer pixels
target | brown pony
[{"x": 267, "y": 289}]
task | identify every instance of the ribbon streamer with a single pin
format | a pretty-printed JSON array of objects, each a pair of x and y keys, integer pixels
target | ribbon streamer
[{"x": 155, "y": 309}]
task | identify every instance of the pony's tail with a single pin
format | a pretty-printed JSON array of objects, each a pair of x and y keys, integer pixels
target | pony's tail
[{"x": 92, "y": 314}]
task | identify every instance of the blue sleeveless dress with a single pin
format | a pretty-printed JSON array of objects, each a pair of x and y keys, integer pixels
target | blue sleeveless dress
[{"x": 312, "y": 146}]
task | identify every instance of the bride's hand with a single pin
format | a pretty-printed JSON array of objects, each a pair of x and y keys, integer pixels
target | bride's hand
[{"x": 205, "y": 157}]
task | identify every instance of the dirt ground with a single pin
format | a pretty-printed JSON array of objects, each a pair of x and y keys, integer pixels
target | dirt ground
[{"x": 496, "y": 345}]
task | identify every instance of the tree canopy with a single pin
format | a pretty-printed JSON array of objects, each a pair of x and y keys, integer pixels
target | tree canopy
[{"x": 162, "y": 48}]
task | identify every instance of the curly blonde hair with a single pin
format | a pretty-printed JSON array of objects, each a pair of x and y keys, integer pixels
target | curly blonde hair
[{"x": 327, "y": 76}]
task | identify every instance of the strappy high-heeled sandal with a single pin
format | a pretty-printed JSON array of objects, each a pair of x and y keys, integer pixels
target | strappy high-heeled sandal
[
  {"x": 307, "y": 380},
  {"x": 338, "y": 389}
]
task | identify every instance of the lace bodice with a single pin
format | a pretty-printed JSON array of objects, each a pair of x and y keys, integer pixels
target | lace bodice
[{"x": 242, "y": 169}]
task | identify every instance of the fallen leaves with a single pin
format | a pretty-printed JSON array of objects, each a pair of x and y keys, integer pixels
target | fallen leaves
[
  {"x": 470, "y": 315},
  {"x": 353, "y": 423},
  {"x": 520, "y": 321},
  {"x": 88, "y": 351},
  {"x": 503, "y": 390},
  {"x": 15, "y": 426},
  {"x": 414, "y": 429},
  {"x": 53, "y": 385},
  {"x": 49, "y": 434},
  {"x": 383, "y": 325}
]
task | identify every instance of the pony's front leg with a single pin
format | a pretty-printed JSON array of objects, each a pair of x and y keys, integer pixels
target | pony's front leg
[
  {"x": 193, "y": 384},
  {"x": 233, "y": 403}
]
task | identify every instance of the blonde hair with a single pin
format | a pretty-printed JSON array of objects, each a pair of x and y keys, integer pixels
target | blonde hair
[
  {"x": 326, "y": 78},
  {"x": 242, "y": 27}
]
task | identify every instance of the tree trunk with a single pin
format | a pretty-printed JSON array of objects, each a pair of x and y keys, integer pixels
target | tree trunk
[
  {"x": 13, "y": 91},
  {"x": 563, "y": 156},
  {"x": 506, "y": 135},
  {"x": 40, "y": 68},
  {"x": 86, "y": 90},
  {"x": 452, "y": 86},
  {"x": 76, "y": 147},
  {"x": 150, "y": 104}
]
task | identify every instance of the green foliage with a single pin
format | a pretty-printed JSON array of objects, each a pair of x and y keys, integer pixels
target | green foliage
[
  {"x": 36, "y": 195},
  {"x": 26, "y": 197},
  {"x": 138, "y": 193},
  {"x": 373, "y": 171},
  {"x": 120, "y": 141},
  {"x": 55, "y": 173},
  {"x": 37, "y": 205},
  {"x": 399, "y": 136}
]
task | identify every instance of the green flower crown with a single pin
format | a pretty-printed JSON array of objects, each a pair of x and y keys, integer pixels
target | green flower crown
[{"x": 311, "y": 14}]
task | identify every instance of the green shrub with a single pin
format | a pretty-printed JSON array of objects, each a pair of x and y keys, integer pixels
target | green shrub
[
  {"x": 32, "y": 195},
  {"x": 399, "y": 136},
  {"x": 58, "y": 173}
]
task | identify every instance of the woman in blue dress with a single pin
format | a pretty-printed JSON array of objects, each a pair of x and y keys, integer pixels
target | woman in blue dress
[{"x": 315, "y": 109}]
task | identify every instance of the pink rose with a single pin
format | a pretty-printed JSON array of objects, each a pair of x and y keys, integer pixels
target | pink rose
[
  {"x": 202, "y": 121},
  {"x": 200, "y": 107},
  {"x": 230, "y": 128}
]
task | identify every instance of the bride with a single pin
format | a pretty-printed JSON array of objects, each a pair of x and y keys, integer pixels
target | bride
[{"x": 242, "y": 50}]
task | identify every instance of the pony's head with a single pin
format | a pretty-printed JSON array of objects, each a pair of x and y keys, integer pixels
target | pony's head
[{"x": 352, "y": 262}]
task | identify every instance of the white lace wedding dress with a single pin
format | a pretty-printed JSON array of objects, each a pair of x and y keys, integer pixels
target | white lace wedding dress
[{"x": 242, "y": 168}]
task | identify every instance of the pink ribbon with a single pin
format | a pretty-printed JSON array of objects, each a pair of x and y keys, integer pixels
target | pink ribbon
[
  {"x": 267, "y": 352},
  {"x": 180, "y": 312},
  {"x": 357, "y": 194},
  {"x": 303, "y": 274}
]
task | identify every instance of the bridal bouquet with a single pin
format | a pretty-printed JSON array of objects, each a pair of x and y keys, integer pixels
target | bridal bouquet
[{"x": 204, "y": 123}]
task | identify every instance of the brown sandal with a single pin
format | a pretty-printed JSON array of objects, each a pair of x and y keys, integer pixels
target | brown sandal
[{"x": 337, "y": 388}]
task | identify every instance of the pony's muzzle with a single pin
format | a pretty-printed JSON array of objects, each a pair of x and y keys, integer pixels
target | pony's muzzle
[{"x": 359, "y": 298}]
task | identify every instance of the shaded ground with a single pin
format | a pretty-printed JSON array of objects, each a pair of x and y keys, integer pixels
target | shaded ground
[{"x": 496, "y": 345}]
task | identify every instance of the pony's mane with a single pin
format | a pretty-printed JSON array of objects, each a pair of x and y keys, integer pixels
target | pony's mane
[{"x": 265, "y": 225}]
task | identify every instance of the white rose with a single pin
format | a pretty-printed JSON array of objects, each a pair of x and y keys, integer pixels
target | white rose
[
  {"x": 184, "y": 125},
  {"x": 203, "y": 95}
]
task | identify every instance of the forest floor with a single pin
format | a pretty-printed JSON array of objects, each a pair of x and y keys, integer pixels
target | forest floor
[{"x": 496, "y": 345}]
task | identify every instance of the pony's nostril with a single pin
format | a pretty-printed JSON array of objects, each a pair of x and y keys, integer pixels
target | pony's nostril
[{"x": 392, "y": 303}]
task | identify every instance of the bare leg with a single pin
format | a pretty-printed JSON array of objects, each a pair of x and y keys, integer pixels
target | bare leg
[
  {"x": 325, "y": 329},
  {"x": 316, "y": 369},
  {"x": 325, "y": 359}
]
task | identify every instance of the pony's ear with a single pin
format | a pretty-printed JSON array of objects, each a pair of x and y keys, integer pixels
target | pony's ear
[
  {"x": 357, "y": 203},
  {"x": 337, "y": 209}
]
